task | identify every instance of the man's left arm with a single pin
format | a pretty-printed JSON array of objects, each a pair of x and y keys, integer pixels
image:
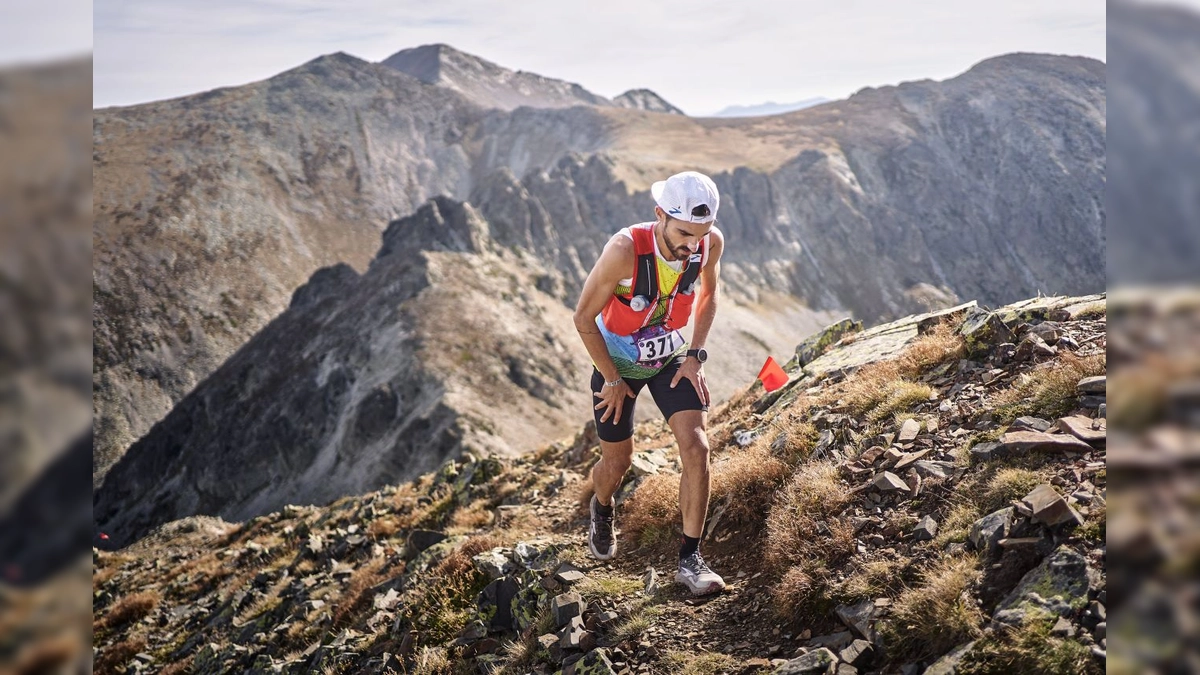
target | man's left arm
[{"x": 706, "y": 312}]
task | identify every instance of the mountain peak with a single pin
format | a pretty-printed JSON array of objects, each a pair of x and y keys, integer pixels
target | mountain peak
[
  {"x": 645, "y": 99},
  {"x": 486, "y": 83}
]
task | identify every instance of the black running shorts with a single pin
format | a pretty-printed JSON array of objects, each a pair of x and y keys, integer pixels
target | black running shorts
[{"x": 669, "y": 401}]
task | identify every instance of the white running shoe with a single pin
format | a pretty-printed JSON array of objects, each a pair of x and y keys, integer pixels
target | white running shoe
[
  {"x": 695, "y": 574},
  {"x": 602, "y": 541}
]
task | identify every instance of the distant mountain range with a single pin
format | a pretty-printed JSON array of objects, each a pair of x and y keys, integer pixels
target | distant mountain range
[{"x": 769, "y": 108}]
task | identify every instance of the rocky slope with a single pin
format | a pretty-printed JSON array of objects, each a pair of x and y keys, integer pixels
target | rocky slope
[
  {"x": 212, "y": 209},
  {"x": 924, "y": 496}
]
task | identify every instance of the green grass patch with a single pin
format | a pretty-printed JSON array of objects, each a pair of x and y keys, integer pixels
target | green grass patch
[{"x": 1028, "y": 649}]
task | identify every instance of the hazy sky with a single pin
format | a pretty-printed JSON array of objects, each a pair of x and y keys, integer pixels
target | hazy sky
[{"x": 700, "y": 55}]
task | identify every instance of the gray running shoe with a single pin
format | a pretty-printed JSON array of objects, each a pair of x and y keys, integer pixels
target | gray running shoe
[
  {"x": 601, "y": 539},
  {"x": 695, "y": 574}
]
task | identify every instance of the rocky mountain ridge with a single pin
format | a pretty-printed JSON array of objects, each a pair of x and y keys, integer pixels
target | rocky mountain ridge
[
  {"x": 924, "y": 496},
  {"x": 493, "y": 86},
  {"x": 211, "y": 210}
]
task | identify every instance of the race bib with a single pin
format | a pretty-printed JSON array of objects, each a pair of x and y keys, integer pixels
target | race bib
[{"x": 659, "y": 347}]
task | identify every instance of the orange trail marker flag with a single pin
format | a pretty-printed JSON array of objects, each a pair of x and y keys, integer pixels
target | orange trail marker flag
[{"x": 772, "y": 376}]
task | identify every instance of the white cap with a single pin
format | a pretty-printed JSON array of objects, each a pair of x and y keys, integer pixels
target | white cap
[{"x": 683, "y": 195}]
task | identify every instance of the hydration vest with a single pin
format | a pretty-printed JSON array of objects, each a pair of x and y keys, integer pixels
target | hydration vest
[{"x": 620, "y": 315}]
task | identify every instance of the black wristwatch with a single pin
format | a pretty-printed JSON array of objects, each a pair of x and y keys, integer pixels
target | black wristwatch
[{"x": 700, "y": 354}]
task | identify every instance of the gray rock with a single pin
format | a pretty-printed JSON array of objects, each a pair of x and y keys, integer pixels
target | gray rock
[
  {"x": 984, "y": 452},
  {"x": 925, "y": 529},
  {"x": 889, "y": 482},
  {"x": 1017, "y": 443},
  {"x": 908, "y": 431},
  {"x": 496, "y": 599},
  {"x": 858, "y": 617},
  {"x": 494, "y": 563},
  {"x": 565, "y": 606},
  {"x": 571, "y": 632},
  {"x": 933, "y": 469},
  {"x": 1063, "y": 628},
  {"x": 642, "y": 466},
  {"x": 419, "y": 540},
  {"x": 568, "y": 573},
  {"x": 650, "y": 581},
  {"x": 1031, "y": 423},
  {"x": 1033, "y": 347},
  {"x": 1049, "y": 332},
  {"x": 1093, "y": 385},
  {"x": 1056, "y": 587},
  {"x": 817, "y": 662},
  {"x": 982, "y": 330},
  {"x": 858, "y": 653},
  {"x": 595, "y": 662},
  {"x": 835, "y": 641},
  {"x": 1049, "y": 507},
  {"x": 1091, "y": 431},
  {"x": 948, "y": 664},
  {"x": 986, "y": 533}
]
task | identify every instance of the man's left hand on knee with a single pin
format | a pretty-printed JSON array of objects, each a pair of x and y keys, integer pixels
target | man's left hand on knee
[{"x": 693, "y": 371}]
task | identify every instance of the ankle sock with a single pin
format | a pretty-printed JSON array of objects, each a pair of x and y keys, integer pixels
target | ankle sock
[
  {"x": 602, "y": 509},
  {"x": 689, "y": 546}
]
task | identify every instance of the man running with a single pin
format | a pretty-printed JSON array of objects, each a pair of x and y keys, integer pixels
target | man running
[{"x": 635, "y": 301}]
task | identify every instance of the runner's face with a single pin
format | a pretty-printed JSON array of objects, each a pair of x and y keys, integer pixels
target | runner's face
[{"x": 683, "y": 238}]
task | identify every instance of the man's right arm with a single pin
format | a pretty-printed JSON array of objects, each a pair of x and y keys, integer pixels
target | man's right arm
[{"x": 615, "y": 263}]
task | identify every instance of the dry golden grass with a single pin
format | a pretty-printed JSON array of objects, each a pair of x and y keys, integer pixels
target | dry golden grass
[
  {"x": 1006, "y": 485},
  {"x": 354, "y": 596},
  {"x": 652, "y": 510},
  {"x": 790, "y": 436},
  {"x": 897, "y": 397},
  {"x": 957, "y": 523},
  {"x": 707, "y": 663},
  {"x": 178, "y": 667},
  {"x": 431, "y": 661},
  {"x": 459, "y": 561},
  {"x": 938, "y": 615},
  {"x": 745, "y": 479},
  {"x": 382, "y": 528},
  {"x": 1048, "y": 391},
  {"x": 112, "y": 659},
  {"x": 476, "y": 515},
  {"x": 101, "y": 575},
  {"x": 130, "y": 608},
  {"x": 807, "y": 536},
  {"x": 815, "y": 495},
  {"x": 871, "y": 580},
  {"x": 884, "y": 388}
]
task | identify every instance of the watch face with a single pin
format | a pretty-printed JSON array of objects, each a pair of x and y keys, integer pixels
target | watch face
[{"x": 702, "y": 355}]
